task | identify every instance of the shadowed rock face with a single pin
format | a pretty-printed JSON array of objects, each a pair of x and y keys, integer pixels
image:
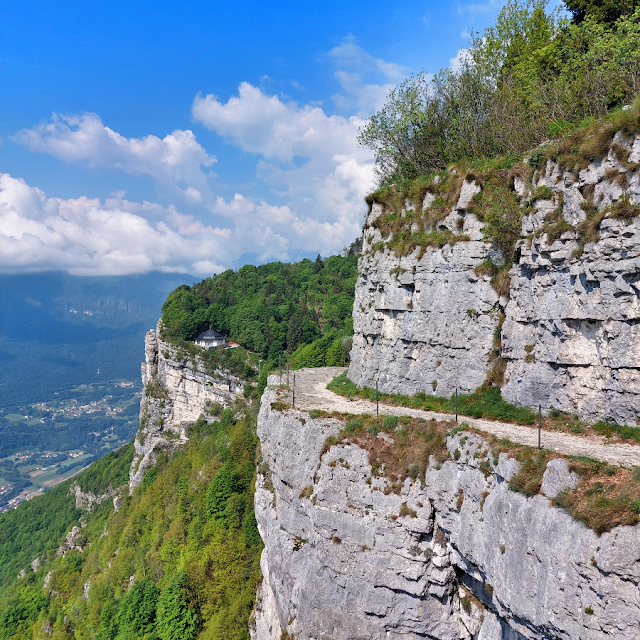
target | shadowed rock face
[
  {"x": 571, "y": 335},
  {"x": 472, "y": 559},
  {"x": 176, "y": 393}
]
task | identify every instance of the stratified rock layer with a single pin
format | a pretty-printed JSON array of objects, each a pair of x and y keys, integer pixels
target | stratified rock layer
[
  {"x": 572, "y": 331},
  {"x": 176, "y": 393},
  {"x": 470, "y": 559},
  {"x": 423, "y": 323},
  {"x": 571, "y": 338}
]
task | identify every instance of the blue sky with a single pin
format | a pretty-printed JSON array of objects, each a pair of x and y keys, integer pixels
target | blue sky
[{"x": 198, "y": 136}]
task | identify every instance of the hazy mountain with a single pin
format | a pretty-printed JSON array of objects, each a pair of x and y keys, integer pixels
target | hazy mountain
[{"x": 58, "y": 331}]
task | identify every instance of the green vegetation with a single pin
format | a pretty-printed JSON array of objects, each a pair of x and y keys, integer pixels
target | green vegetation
[
  {"x": 178, "y": 560},
  {"x": 609, "y": 429},
  {"x": 486, "y": 402},
  {"x": 532, "y": 75},
  {"x": 605, "y": 497},
  {"x": 405, "y": 456},
  {"x": 301, "y": 309},
  {"x": 607, "y": 11},
  {"x": 37, "y": 527}
]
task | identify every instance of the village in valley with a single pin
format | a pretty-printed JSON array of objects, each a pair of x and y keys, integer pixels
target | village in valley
[{"x": 89, "y": 421}]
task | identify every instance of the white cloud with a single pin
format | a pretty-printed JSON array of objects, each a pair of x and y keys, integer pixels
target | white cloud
[
  {"x": 87, "y": 237},
  {"x": 314, "y": 176},
  {"x": 459, "y": 59},
  {"x": 278, "y": 232},
  {"x": 308, "y": 158},
  {"x": 353, "y": 67},
  {"x": 175, "y": 160}
]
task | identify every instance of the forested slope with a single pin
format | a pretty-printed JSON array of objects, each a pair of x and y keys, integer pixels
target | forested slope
[
  {"x": 178, "y": 559},
  {"x": 273, "y": 309}
]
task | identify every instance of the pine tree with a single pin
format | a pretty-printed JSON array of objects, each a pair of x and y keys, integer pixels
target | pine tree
[
  {"x": 295, "y": 332},
  {"x": 219, "y": 492},
  {"x": 177, "y": 617},
  {"x": 137, "y": 615}
]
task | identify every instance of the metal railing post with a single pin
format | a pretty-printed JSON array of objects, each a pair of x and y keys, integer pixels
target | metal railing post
[
  {"x": 456, "y": 404},
  {"x": 539, "y": 427},
  {"x": 376, "y": 397}
]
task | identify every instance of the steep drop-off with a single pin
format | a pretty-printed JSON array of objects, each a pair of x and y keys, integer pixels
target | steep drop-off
[
  {"x": 454, "y": 554},
  {"x": 176, "y": 392},
  {"x": 562, "y": 319}
]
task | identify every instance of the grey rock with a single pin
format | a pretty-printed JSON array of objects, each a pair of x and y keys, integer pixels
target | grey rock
[
  {"x": 570, "y": 331},
  {"x": 183, "y": 393},
  {"x": 339, "y": 563},
  {"x": 507, "y": 467},
  {"x": 571, "y": 334},
  {"x": 75, "y": 539},
  {"x": 86, "y": 500},
  {"x": 467, "y": 191},
  {"x": 432, "y": 323},
  {"x": 557, "y": 477}
]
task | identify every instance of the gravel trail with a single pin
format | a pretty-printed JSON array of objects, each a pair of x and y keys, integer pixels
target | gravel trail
[{"x": 311, "y": 393}]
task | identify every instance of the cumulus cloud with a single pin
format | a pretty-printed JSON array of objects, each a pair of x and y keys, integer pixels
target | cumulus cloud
[
  {"x": 314, "y": 179},
  {"x": 310, "y": 159},
  {"x": 176, "y": 160},
  {"x": 87, "y": 237}
]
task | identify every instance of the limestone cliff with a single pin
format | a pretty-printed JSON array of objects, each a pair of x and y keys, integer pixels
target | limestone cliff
[
  {"x": 429, "y": 319},
  {"x": 176, "y": 392},
  {"x": 424, "y": 323},
  {"x": 455, "y": 555}
]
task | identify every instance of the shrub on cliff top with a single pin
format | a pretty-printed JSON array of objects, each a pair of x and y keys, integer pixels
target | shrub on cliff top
[{"x": 530, "y": 73}]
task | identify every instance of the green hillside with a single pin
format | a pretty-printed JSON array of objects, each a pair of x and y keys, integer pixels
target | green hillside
[
  {"x": 273, "y": 309},
  {"x": 179, "y": 559}
]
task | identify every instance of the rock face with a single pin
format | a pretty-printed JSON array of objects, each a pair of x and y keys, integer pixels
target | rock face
[
  {"x": 86, "y": 499},
  {"x": 424, "y": 323},
  {"x": 176, "y": 393},
  {"x": 572, "y": 332},
  {"x": 456, "y": 555},
  {"x": 571, "y": 338}
]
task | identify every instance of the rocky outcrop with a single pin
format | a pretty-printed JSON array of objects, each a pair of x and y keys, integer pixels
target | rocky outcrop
[
  {"x": 426, "y": 321},
  {"x": 87, "y": 500},
  {"x": 572, "y": 331},
  {"x": 74, "y": 540},
  {"x": 177, "y": 391},
  {"x": 454, "y": 555}
]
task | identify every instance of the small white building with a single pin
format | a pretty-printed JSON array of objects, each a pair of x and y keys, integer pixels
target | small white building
[{"x": 211, "y": 339}]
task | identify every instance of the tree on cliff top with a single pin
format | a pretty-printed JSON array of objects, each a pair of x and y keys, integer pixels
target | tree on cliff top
[{"x": 532, "y": 70}]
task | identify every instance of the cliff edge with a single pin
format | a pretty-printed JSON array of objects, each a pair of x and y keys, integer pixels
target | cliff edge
[
  {"x": 451, "y": 554},
  {"x": 177, "y": 391}
]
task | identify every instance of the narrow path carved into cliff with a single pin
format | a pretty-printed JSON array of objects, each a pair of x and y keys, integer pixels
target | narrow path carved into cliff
[{"x": 311, "y": 393}]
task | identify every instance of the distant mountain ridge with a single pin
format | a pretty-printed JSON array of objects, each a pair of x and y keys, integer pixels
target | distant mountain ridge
[{"x": 56, "y": 327}]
